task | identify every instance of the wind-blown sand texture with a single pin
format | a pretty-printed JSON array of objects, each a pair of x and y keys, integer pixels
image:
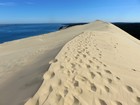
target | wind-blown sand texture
[
  {"x": 23, "y": 63},
  {"x": 101, "y": 66}
]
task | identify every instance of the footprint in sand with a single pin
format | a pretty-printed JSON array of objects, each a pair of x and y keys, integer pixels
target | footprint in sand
[
  {"x": 92, "y": 75},
  {"x": 88, "y": 53},
  {"x": 55, "y": 60},
  {"x": 104, "y": 65},
  {"x": 76, "y": 83},
  {"x": 76, "y": 101},
  {"x": 66, "y": 57},
  {"x": 90, "y": 61},
  {"x": 59, "y": 82},
  {"x": 58, "y": 97},
  {"x": 109, "y": 80},
  {"x": 93, "y": 87},
  {"x": 130, "y": 89},
  {"x": 84, "y": 56},
  {"x": 115, "y": 46},
  {"x": 100, "y": 55},
  {"x": 134, "y": 69},
  {"x": 49, "y": 75},
  {"x": 88, "y": 66},
  {"x": 97, "y": 49},
  {"x": 61, "y": 67},
  {"x": 65, "y": 91},
  {"x": 98, "y": 67},
  {"x": 50, "y": 89},
  {"x": 107, "y": 89},
  {"x": 52, "y": 75},
  {"x": 72, "y": 65},
  {"x": 118, "y": 78},
  {"x": 118, "y": 103},
  {"x": 79, "y": 52},
  {"x": 102, "y": 102},
  {"x": 138, "y": 99},
  {"x": 86, "y": 47},
  {"x": 107, "y": 71},
  {"x": 99, "y": 74}
]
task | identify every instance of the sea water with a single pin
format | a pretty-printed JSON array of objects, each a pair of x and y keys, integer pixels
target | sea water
[{"x": 9, "y": 32}]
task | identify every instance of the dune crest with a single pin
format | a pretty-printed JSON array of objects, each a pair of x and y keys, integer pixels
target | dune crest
[{"x": 98, "y": 67}]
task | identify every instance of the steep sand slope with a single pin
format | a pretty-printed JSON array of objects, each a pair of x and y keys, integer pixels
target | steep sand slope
[
  {"x": 99, "y": 67},
  {"x": 23, "y": 63}
]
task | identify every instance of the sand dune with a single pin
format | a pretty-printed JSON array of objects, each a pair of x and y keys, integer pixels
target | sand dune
[
  {"x": 23, "y": 63},
  {"x": 98, "y": 67}
]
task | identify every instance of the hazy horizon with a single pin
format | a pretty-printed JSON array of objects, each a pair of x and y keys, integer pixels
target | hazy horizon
[{"x": 68, "y": 11}]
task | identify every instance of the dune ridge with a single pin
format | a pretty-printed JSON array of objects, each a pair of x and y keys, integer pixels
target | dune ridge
[
  {"x": 23, "y": 62},
  {"x": 100, "y": 66}
]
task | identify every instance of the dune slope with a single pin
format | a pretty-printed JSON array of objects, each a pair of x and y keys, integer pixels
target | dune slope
[
  {"x": 98, "y": 67},
  {"x": 23, "y": 63}
]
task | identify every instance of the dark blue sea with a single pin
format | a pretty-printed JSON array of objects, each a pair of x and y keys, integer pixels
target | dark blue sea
[{"x": 9, "y": 32}]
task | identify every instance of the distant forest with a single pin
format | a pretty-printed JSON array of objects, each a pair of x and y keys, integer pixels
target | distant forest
[{"x": 131, "y": 28}]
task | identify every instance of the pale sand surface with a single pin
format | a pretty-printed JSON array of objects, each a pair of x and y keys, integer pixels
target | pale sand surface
[
  {"x": 23, "y": 63},
  {"x": 101, "y": 66}
]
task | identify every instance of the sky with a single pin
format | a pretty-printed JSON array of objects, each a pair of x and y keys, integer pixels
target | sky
[{"x": 67, "y": 11}]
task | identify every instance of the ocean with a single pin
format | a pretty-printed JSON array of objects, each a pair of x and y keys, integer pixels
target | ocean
[{"x": 10, "y": 32}]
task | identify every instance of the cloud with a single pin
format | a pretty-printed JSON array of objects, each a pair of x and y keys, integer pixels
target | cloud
[{"x": 7, "y": 3}]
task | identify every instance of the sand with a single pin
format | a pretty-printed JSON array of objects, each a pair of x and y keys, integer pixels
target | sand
[
  {"x": 23, "y": 63},
  {"x": 92, "y": 64},
  {"x": 98, "y": 67}
]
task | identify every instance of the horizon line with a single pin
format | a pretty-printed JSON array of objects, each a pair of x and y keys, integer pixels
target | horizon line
[{"x": 62, "y": 22}]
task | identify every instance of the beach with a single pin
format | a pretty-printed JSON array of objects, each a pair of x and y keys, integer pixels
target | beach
[{"x": 91, "y": 64}]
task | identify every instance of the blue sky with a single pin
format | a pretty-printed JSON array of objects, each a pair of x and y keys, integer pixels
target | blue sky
[{"x": 58, "y": 11}]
